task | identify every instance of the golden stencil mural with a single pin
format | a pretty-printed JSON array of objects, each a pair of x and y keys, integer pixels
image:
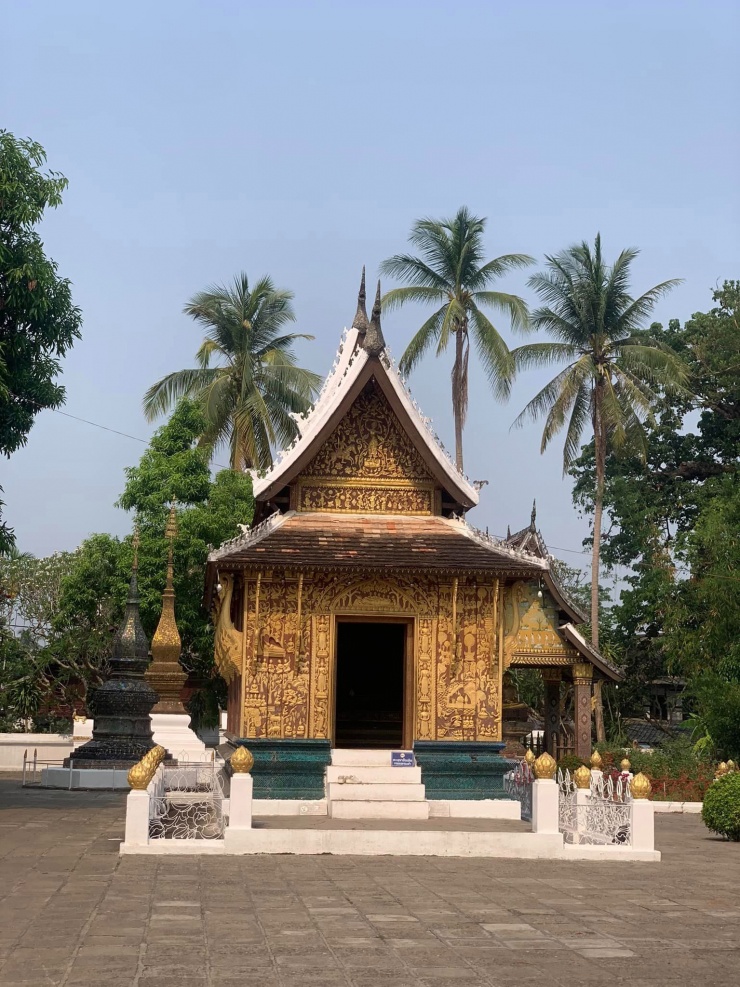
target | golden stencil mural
[
  {"x": 530, "y": 625},
  {"x": 288, "y": 690},
  {"x": 369, "y": 443},
  {"x": 320, "y": 496},
  {"x": 467, "y": 675},
  {"x": 277, "y": 686}
]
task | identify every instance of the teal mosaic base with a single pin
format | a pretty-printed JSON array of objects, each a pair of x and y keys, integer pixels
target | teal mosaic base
[
  {"x": 288, "y": 769},
  {"x": 457, "y": 769}
]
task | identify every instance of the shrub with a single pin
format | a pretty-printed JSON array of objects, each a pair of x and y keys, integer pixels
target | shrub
[
  {"x": 721, "y": 809},
  {"x": 569, "y": 762}
]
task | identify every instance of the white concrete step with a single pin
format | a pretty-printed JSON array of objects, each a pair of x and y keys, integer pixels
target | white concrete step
[
  {"x": 363, "y": 758},
  {"x": 378, "y": 810},
  {"x": 374, "y": 774},
  {"x": 376, "y": 793}
]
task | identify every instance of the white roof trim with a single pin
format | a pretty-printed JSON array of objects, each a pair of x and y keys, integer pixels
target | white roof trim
[
  {"x": 349, "y": 361},
  {"x": 251, "y": 536},
  {"x": 486, "y": 541}
]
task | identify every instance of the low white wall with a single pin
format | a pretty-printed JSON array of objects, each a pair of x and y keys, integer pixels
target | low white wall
[{"x": 48, "y": 747}]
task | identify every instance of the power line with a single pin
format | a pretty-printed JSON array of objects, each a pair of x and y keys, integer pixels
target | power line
[{"x": 105, "y": 428}]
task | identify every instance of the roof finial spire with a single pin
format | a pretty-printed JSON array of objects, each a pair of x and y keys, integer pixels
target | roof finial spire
[
  {"x": 374, "y": 344},
  {"x": 360, "y": 321},
  {"x": 533, "y": 519}
]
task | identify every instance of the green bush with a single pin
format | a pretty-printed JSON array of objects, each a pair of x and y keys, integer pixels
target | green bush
[
  {"x": 569, "y": 762},
  {"x": 721, "y": 809}
]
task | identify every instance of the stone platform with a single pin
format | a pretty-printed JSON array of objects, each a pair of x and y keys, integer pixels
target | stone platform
[{"x": 76, "y": 914}]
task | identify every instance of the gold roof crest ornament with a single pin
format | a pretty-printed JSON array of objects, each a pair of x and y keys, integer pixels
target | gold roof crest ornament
[{"x": 165, "y": 674}]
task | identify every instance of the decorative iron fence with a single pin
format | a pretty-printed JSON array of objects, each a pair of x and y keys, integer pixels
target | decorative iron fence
[
  {"x": 518, "y": 785},
  {"x": 598, "y": 816},
  {"x": 187, "y": 803}
]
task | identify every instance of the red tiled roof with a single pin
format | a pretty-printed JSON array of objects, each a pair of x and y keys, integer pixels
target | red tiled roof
[{"x": 372, "y": 541}]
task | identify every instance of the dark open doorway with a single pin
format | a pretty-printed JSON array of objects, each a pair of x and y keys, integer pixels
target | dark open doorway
[{"x": 370, "y": 684}]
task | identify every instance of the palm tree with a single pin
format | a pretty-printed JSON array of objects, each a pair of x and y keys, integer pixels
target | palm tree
[
  {"x": 610, "y": 370},
  {"x": 451, "y": 275},
  {"x": 249, "y": 396}
]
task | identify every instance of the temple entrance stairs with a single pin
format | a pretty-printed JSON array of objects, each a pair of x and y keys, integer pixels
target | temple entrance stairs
[{"x": 362, "y": 784}]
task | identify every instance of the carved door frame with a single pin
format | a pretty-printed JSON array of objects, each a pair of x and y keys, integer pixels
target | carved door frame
[{"x": 409, "y": 668}]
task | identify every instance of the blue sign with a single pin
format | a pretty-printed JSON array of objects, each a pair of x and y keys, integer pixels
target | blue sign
[{"x": 402, "y": 759}]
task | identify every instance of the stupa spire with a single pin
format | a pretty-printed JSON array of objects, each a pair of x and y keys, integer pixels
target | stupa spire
[
  {"x": 165, "y": 672},
  {"x": 121, "y": 732},
  {"x": 374, "y": 344}
]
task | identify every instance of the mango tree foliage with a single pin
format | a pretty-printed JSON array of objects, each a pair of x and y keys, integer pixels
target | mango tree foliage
[{"x": 38, "y": 322}]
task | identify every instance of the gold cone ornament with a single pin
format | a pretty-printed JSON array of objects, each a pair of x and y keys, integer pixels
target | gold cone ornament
[
  {"x": 241, "y": 761},
  {"x": 596, "y": 761},
  {"x": 582, "y": 777},
  {"x": 165, "y": 674},
  {"x": 721, "y": 769},
  {"x": 640, "y": 787},
  {"x": 530, "y": 757},
  {"x": 625, "y": 765},
  {"x": 545, "y": 767}
]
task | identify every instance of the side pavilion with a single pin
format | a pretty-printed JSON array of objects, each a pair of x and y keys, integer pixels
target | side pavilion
[{"x": 361, "y": 610}]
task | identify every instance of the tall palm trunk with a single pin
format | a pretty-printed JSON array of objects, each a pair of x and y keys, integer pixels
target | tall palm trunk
[
  {"x": 600, "y": 457},
  {"x": 458, "y": 399}
]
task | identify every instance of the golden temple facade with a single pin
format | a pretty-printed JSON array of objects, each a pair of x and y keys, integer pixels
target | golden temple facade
[{"x": 361, "y": 608}]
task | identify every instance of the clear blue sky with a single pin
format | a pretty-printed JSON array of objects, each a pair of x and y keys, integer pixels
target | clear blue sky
[{"x": 302, "y": 140}]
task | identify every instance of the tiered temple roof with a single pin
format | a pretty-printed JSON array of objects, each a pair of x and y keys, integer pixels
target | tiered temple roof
[{"x": 288, "y": 533}]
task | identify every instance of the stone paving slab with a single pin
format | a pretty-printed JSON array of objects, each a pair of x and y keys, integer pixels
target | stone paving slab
[{"x": 75, "y": 914}]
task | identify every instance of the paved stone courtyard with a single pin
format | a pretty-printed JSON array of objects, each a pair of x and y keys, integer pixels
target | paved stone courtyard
[{"x": 73, "y": 912}]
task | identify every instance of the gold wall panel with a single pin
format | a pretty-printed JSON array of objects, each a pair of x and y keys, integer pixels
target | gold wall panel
[
  {"x": 351, "y": 499},
  {"x": 368, "y": 465},
  {"x": 288, "y": 687},
  {"x": 531, "y": 626}
]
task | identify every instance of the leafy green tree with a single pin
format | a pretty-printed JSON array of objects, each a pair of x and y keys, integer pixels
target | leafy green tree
[
  {"x": 248, "y": 398},
  {"x": 672, "y": 523},
  {"x": 452, "y": 274},
  {"x": 611, "y": 370},
  {"x": 38, "y": 322}
]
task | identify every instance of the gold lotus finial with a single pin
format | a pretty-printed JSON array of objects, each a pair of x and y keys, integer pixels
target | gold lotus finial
[
  {"x": 545, "y": 766},
  {"x": 640, "y": 786},
  {"x": 625, "y": 764},
  {"x": 530, "y": 757},
  {"x": 722, "y": 769},
  {"x": 582, "y": 776},
  {"x": 596, "y": 761},
  {"x": 731, "y": 766},
  {"x": 241, "y": 761}
]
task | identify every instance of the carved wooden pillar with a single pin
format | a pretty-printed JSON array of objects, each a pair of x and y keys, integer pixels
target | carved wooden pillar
[
  {"x": 582, "y": 676},
  {"x": 552, "y": 678}
]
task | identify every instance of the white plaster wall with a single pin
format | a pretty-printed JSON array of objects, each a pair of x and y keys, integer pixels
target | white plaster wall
[{"x": 48, "y": 747}]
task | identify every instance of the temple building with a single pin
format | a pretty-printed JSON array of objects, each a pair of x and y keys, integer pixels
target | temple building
[{"x": 362, "y": 610}]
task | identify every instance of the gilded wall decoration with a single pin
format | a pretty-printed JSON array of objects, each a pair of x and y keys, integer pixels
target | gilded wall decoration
[
  {"x": 530, "y": 626},
  {"x": 276, "y": 691},
  {"x": 468, "y": 705},
  {"x": 369, "y": 443},
  {"x": 228, "y": 641},
  {"x": 368, "y": 465},
  {"x": 321, "y": 496},
  {"x": 454, "y": 697}
]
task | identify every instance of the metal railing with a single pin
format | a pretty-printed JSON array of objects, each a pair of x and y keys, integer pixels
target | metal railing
[
  {"x": 187, "y": 802},
  {"x": 518, "y": 786}
]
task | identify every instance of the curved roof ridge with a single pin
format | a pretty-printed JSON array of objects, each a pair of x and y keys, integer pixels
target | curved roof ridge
[
  {"x": 424, "y": 422},
  {"x": 496, "y": 544}
]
